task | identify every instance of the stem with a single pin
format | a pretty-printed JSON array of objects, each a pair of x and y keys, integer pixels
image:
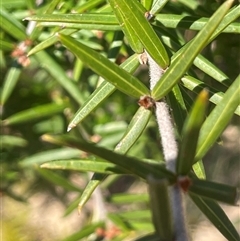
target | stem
[{"x": 170, "y": 152}]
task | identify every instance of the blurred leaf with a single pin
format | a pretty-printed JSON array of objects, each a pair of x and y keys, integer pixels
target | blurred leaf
[
  {"x": 35, "y": 113},
  {"x": 111, "y": 72},
  {"x": 84, "y": 232},
  {"x": 10, "y": 82},
  {"x": 217, "y": 216},
  {"x": 158, "y": 6},
  {"x": 11, "y": 25},
  {"x": 190, "y": 134},
  {"x": 123, "y": 198},
  {"x": 199, "y": 170},
  {"x": 50, "y": 155},
  {"x": 49, "y": 41},
  {"x": 217, "y": 191},
  {"x": 56, "y": 71},
  {"x": 7, "y": 140},
  {"x": 183, "y": 60},
  {"x": 218, "y": 119},
  {"x": 161, "y": 208},
  {"x": 85, "y": 166},
  {"x": 58, "y": 180}
]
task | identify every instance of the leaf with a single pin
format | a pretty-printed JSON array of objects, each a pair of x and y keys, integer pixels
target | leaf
[
  {"x": 11, "y": 25},
  {"x": 7, "y": 140},
  {"x": 161, "y": 208},
  {"x": 84, "y": 232},
  {"x": 217, "y": 216},
  {"x": 100, "y": 94},
  {"x": 190, "y": 134},
  {"x": 50, "y": 155},
  {"x": 133, "y": 40},
  {"x": 158, "y": 6},
  {"x": 56, "y": 71},
  {"x": 34, "y": 113},
  {"x": 134, "y": 19},
  {"x": 125, "y": 82},
  {"x": 49, "y": 41},
  {"x": 190, "y": 22},
  {"x": 196, "y": 86},
  {"x": 218, "y": 119},
  {"x": 84, "y": 166},
  {"x": 183, "y": 60},
  {"x": 10, "y": 82},
  {"x": 133, "y": 132},
  {"x": 217, "y": 191},
  {"x": 127, "y": 163},
  {"x": 58, "y": 180}
]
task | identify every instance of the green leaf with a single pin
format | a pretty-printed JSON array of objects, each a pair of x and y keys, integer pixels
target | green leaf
[
  {"x": 196, "y": 86},
  {"x": 217, "y": 191},
  {"x": 7, "y": 140},
  {"x": 101, "y": 93},
  {"x": 133, "y": 132},
  {"x": 10, "y": 82},
  {"x": 35, "y": 113},
  {"x": 133, "y": 40},
  {"x": 58, "y": 180},
  {"x": 50, "y": 155},
  {"x": 134, "y": 19},
  {"x": 123, "y": 198},
  {"x": 218, "y": 119},
  {"x": 127, "y": 163},
  {"x": 160, "y": 206},
  {"x": 49, "y": 41},
  {"x": 158, "y": 6},
  {"x": 109, "y": 71},
  {"x": 11, "y": 25},
  {"x": 84, "y": 166},
  {"x": 57, "y": 72},
  {"x": 217, "y": 216},
  {"x": 84, "y": 232},
  {"x": 86, "y": 18},
  {"x": 199, "y": 170},
  {"x": 190, "y": 134},
  {"x": 190, "y": 22},
  {"x": 147, "y": 4},
  {"x": 183, "y": 60}
]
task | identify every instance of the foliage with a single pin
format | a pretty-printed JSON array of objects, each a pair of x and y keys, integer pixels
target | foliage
[{"x": 74, "y": 66}]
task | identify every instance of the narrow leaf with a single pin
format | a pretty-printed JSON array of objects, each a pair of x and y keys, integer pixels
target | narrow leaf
[
  {"x": 217, "y": 216},
  {"x": 190, "y": 134},
  {"x": 128, "y": 163},
  {"x": 218, "y": 119},
  {"x": 101, "y": 93},
  {"x": 11, "y": 25},
  {"x": 184, "y": 60},
  {"x": 217, "y": 191},
  {"x": 50, "y": 155},
  {"x": 84, "y": 166},
  {"x": 58, "y": 180},
  {"x": 133, "y": 132},
  {"x": 105, "y": 68},
  {"x": 160, "y": 206},
  {"x": 57, "y": 72},
  {"x": 35, "y": 113},
  {"x": 134, "y": 19},
  {"x": 10, "y": 82}
]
